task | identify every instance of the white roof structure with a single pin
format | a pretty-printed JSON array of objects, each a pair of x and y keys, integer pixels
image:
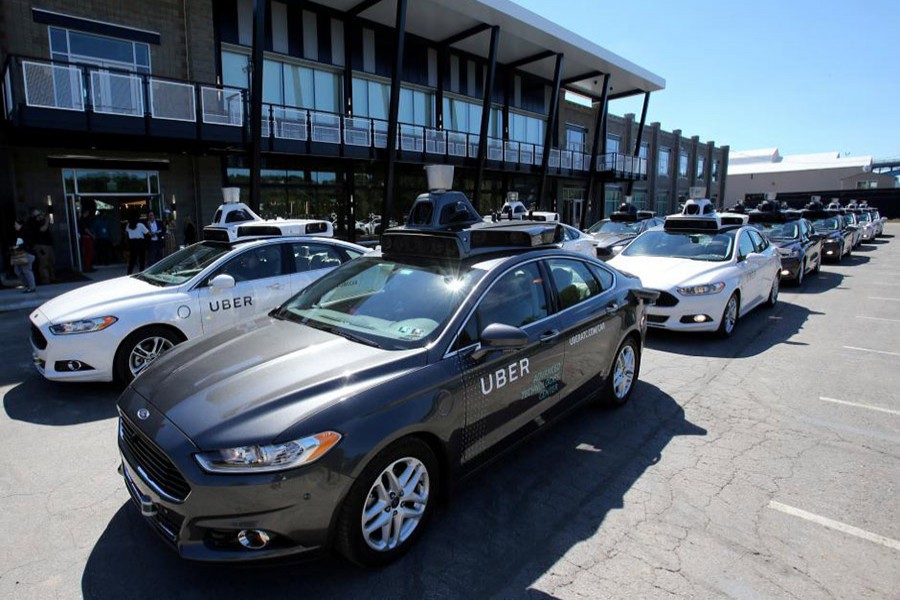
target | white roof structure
[
  {"x": 769, "y": 160},
  {"x": 522, "y": 34}
]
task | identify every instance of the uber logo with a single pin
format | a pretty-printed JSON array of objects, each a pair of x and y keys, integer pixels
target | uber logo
[
  {"x": 227, "y": 304},
  {"x": 501, "y": 377}
]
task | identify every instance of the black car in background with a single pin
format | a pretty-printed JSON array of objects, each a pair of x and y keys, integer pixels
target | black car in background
[
  {"x": 341, "y": 418},
  {"x": 797, "y": 242},
  {"x": 837, "y": 237}
]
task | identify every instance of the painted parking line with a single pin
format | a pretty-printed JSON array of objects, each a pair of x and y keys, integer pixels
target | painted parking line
[
  {"x": 871, "y": 350},
  {"x": 878, "y": 319},
  {"x": 857, "y": 405},
  {"x": 836, "y": 525},
  {"x": 882, "y": 298}
]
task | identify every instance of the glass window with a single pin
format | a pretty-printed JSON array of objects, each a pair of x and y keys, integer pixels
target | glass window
[
  {"x": 715, "y": 171},
  {"x": 603, "y": 276},
  {"x": 310, "y": 257},
  {"x": 645, "y": 150},
  {"x": 663, "y": 168},
  {"x": 327, "y": 91},
  {"x": 662, "y": 203},
  {"x": 759, "y": 242},
  {"x": 235, "y": 70},
  {"x": 573, "y": 281},
  {"x": 184, "y": 264},
  {"x": 258, "y": 263},
  {"x": 298, "y": 86},
  {"x": 683, "y": 164},
  {"x": 701, "y": 164},
  {"x": 745, "y": 246},
  {"x": 517, "y": 298},
  {"x": 576, "y": 138},
  {"x": 370, "y": 300},
  {"x": 612, "y": 144},
  {"x": 693, "y": 246},
  {"x": 272, "y": 83},
  {"x": 76, "y": 46}
]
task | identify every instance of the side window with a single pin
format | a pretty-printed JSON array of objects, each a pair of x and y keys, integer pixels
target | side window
[
  {"x": 745, "y": 246},
  {"x": 758, "y": 241},
  {"x": 603, "y": 276},
  {"x": 571, "y": 234},
  {"x": 257, "y": 263},
  {"x": 573, "y": 282},
  {"x": 517, "y": 298},
  {"x": 309, "y": 257},
  {"x": 353, "y": 253}
]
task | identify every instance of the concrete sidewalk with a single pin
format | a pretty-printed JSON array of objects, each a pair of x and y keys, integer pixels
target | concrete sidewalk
[{"x": 16, "y": 299}]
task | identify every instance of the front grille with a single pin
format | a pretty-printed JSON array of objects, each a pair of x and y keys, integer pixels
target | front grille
[
  {"x": 154, "y": 464},
  {"x": 37, "y": 338},
  {"x": 165, "y": 521},
  {"x": 657, "y": 318},
  {"x": 666, "y": 299}
]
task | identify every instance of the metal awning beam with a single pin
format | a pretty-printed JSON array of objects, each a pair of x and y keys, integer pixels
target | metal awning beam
[
  {"x": 530, "y": 59},
  {"x": 362, "y": 7},
  {"x": 465, "y": 34},
  {"x": 628, "y": 94},
  {"x": 582, "y": 77}
]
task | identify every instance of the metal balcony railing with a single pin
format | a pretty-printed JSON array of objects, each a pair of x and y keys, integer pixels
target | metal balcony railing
[{"x": 41, "y": 84}]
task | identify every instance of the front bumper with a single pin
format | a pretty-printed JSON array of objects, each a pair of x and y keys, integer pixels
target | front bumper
[
  {"x": 78, "y": 357},
  {"x": 831, "y": 250},
  {"x": 790, "y": 267},
  {"x": 295, "y": 507},
  {"x": 687, "y": 307}
]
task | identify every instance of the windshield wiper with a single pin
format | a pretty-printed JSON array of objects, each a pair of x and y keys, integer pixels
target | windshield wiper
[
  {"x": 156, "y": 282},
  {"x": 347, "y": 335}
]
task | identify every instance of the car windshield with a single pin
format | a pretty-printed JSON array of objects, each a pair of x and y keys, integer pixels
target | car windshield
[
  {"x": 829, "y": 224},
  {"x": 779, "y": 231},
  {"x": 672, "y": 244},
  {"x": 864, "y": 217},
  {"x": 385, "y": 303},
  {"x": 183, "y": 265},
  {"x": 607, "y": 226}
]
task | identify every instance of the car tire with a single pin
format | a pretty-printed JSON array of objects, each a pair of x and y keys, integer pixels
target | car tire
[
  {"x": 818, "y": 265},
  {"x": 141, "y": 348},
  {"x": 623, "y": 375},
  {"x": 773, "y": 293},
  {"x": 729, "y": 316},
  {"x": 376, "y": 486},
  {"x": 801, "y": 273}
]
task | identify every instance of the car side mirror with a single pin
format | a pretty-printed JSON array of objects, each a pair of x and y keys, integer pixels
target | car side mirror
[
  {"x": 222, "y": 282},
  {"x": 498, "y": 336}
]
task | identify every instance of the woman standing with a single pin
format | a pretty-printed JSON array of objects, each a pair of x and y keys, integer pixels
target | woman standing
[{"x": 137, "y": 243}]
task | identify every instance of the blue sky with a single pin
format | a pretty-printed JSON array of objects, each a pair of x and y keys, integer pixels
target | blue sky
[{"x": 799, "y": 75}]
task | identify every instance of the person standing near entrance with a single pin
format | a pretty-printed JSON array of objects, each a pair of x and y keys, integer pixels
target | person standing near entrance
[
  {"x": 156, "y": 241},
  {"x": 43, "y": 247},
  {"x": 137, "y": 245},
  {"x": 22, "y": 261}
]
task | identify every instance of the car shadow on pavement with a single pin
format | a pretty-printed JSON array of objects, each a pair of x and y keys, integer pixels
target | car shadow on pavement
[
  {"x": 43, "y": 402},
  {"x": 755, "y": 333},
  {"x": 814, "y": 283},
  {"x": 500, "y": 533},
  {"x": 855, "y": 259}
]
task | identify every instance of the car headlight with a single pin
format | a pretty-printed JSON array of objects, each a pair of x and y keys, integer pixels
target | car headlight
[
  {"x": 271, "y": 457},
  {"x": 619, "y": 248},
  {"x": 82, "y": 325},
  {"x": 702, "y": 290}
]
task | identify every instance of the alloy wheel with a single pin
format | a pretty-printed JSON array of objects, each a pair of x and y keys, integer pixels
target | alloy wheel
[
  {"x": 623, "y": 375},
  {"x": 395, "y": 504},
  {"x": 145, "y": 352}
]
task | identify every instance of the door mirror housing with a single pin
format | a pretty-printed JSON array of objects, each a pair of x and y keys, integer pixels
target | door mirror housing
[
  {"x": 222, "y": 282},
  {"x": 498, "y": 336}
]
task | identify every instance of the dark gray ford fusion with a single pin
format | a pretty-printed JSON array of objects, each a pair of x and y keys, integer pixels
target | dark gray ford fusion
[{"x": 340, "y": 419}]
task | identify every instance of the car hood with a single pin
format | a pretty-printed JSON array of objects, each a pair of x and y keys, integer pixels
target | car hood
[
  {"x": 606, "y": 240},
  {"x": 251, "y": 383},
  {"x": 661, "y": 273},
  {"x": 95, "y": 300}
]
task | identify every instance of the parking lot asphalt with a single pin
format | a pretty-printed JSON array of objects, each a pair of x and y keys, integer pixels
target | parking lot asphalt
[{"x": 764, "y": 466}]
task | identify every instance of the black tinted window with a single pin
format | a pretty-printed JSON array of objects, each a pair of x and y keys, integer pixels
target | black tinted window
[
  {"x": 310, "y": 257},
  {"x": 516, "y": 299},
  {"x": 573, "y": 281}
]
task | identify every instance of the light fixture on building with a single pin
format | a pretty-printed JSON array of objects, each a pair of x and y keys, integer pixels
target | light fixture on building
[{"x": 50, "y": 208}]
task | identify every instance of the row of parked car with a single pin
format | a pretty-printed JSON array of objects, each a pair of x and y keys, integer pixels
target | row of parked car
[{"x": 289, "y": 393}]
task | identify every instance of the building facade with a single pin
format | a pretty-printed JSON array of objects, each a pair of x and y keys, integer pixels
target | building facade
[{"x": 113, "y": 108}]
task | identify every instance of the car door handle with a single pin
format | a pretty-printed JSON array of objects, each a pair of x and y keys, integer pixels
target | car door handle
[
  {"x": 275, "y": 286},
  {"x": 549, "y": 336}
]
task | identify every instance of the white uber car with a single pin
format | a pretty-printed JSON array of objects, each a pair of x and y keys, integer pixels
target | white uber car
[
  {"x": 114, "y": 329},
  {"x": 708, "y": 274},
  {"x": 578, "y": 241}
]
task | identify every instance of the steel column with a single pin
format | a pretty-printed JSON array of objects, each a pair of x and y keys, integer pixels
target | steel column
[
  {"x": 551, "y": 126},
  {"x": 256, "y": 91},
  {"x": 637, "y": 142},
  {"x": 595, "y": 148},
  {"x": 393, "y": 115},
  {"x": 486, "y": 112}
]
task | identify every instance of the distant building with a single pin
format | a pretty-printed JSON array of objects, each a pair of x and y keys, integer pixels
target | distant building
[{"x": 755, "y": 173}]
